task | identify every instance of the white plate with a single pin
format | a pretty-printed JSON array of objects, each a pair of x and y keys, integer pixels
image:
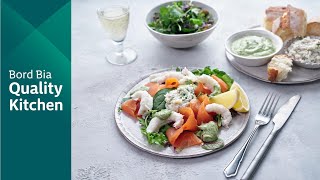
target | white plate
[
  {"x": 297, "y": 76},
  {"x": 130, "y": 129}
]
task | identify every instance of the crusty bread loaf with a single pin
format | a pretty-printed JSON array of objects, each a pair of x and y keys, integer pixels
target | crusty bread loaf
[
  {"x": 298, "y": 21},
  {"x": 272, "y": 13},
  {"x": 313, "y": 27},
  {"x": 279, "y": 67},
  {"x": 287, "y": 22}
]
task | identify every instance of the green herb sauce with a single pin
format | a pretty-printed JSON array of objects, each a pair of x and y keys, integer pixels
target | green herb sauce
[
  {"x": 164, "y": 114},
  {"x": 253, "y": 46}
]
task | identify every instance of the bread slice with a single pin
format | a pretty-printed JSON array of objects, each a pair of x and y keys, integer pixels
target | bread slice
[
  {"x": 279, "y": 67},
  {"x": 313, "y": 27},
  {"x": 273, "y": 13}
]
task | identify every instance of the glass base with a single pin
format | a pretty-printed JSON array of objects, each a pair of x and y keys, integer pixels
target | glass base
[{"x": 126, "y": 57}]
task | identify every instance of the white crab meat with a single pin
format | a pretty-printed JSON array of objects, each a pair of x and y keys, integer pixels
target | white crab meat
[
  {"x": 220, "y": 109},
  {"x": 188, "y": 76},
  {"x": 161, "y": 77},
  {"x": 156, "y": 123},
  {"x": 146, "y": 101},
  {"x": 179, "y": 97},
  {"x": 208, "y": 82}
]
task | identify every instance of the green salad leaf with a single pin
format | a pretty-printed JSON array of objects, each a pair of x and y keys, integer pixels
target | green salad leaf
[
  {"x": 159, "y": 99},
  {"x": 159, "y": 138},
  {"x": 224, "y": 76},
  {"x": 181, "y": 18}
]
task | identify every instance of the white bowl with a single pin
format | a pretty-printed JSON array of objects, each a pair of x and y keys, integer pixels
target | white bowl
[
  {"x": 182, "y": 40},
  {"x": 254, "y": 61}
]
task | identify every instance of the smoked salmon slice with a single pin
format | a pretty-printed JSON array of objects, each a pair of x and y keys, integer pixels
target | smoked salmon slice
[
  {"x": 203, "y": 116},
  {"x": 194, "y": 105},
  {"x": 224, "y": 87},
  {"x": 131, "y": 107},
  {"x": 202, "y": 97},
  {"x": 190, "y": 120},
  {"x": 153, "y": 88},
  {"x": 190, "y": 125},
  {"x": 173, "y": 134},
  {"x": 185, "y": 139},
  {"x": 201, "y": 89},
  {"x": 171, "y": 83}
]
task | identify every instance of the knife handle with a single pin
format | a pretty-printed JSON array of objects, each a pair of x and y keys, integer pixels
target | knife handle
[{"x": 259, "y": 156}]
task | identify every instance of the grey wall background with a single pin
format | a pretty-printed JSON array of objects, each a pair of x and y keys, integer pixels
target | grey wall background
[{"x": 100, "y": 152}]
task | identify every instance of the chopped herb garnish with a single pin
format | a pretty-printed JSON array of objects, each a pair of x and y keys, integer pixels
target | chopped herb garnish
[{"x": 218, "y": 119}]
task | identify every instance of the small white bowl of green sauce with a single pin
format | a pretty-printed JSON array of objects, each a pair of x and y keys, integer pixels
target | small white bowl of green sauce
[{"x": 254, "y": 47}]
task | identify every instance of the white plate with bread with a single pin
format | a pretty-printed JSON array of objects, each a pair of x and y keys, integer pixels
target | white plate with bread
[{"x": 299, "y": 59}]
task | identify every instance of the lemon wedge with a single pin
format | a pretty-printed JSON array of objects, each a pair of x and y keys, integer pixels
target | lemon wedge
[
  {"x": 242, "y": 105},
  {"x": 227, "y": 99}
]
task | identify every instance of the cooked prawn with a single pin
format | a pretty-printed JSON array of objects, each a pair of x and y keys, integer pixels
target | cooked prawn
[
  {"x": 210, "y": 83},
  {"x": 188, "y": 76},
  {"x": 146, "y": 101},
  {"x": 156, "y": 123},
  {"x": 220, "y": 109}
]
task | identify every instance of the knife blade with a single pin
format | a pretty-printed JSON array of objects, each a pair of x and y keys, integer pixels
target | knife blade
[
  {"x": 279, "y": 120},
  {"x": 284, "y": 112}
]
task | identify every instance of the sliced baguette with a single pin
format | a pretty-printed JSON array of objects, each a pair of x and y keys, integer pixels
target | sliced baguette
[
  {"x": 313, "y": 27},
  {"x": 279, "y": 67}
]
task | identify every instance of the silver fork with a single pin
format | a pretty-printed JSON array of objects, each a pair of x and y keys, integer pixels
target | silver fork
[{"x": 262, "y": 118}]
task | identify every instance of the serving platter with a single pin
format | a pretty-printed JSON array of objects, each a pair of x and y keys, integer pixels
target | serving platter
[
  {"x": 130, "y": 129},
  {"x": 297, "y": 76}
]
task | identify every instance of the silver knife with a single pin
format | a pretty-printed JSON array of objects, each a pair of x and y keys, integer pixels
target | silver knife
[{"x": 279, "y": 120}]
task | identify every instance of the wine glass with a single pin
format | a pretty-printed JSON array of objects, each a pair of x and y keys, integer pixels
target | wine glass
[{"x": 115, "y": 19}]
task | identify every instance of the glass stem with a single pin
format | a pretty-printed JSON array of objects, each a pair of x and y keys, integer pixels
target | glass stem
[{"x": 119, "y": 47}]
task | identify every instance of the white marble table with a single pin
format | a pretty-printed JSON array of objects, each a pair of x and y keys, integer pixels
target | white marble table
[{"x": 100, "y": 152}]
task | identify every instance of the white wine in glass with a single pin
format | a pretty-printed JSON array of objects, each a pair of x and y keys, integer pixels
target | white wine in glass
[{"x": 115, "y": 20}]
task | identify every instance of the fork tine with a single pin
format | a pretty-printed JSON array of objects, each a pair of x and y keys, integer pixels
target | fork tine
[
  {"x": 264, "y": 112},
  {"x": 263, "y": 103},
  {"x": 268, "y": 109},
  {"x": 274, "y": 106}
]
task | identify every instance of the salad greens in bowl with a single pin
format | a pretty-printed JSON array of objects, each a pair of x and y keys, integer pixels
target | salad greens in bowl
[
  {"x": 181, "y": 18},
  {"x": 181, "y": 24}
]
